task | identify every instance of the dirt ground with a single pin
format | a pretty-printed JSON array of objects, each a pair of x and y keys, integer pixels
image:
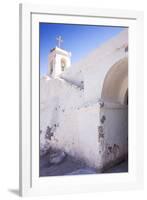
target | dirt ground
[{"x": 70, "y": 166}]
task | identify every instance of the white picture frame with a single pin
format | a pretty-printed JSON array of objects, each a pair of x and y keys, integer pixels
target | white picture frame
[{"x": 30, "y": 183}]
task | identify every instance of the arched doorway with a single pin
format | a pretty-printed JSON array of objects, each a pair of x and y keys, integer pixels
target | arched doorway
[{"x": 115, "y": 111}]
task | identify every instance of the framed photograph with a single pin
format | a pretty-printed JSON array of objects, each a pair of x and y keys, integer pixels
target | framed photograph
[{"x": 81, "y": 100}]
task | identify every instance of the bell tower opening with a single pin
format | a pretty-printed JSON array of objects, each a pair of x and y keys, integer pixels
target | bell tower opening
[
  {"x": 63, "y": 64},
  {"x": 51, "y": 67}
]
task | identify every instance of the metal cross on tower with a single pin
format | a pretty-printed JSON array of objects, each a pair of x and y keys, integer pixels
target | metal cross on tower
[{"x": 59, "y": 41}]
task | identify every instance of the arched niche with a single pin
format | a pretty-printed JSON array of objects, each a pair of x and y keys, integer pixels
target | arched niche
[{"x": 115, "y": 86}]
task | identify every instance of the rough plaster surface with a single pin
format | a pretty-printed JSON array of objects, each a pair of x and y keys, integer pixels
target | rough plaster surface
[{"x": 81, "y": 124}]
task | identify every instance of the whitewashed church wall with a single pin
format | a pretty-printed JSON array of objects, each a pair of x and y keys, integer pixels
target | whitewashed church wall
[
  {"x": 57, "y": 99},
  {"x": 100, "y": 59},
  {"x": 94, "y": 77},
  {"x": 66, "y": 135},
  {"x": 115, "y": 129},
  {"x": 73, "y": 75},
  {"x": 78, "y": 135},
  {"x": 88, "y": 122},
  {"x": 77, "y": 126}
]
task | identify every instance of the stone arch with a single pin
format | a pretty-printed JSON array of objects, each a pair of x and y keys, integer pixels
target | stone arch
[
  {"x": 115, "y": 84},
  {"x": 115, "y": 112}
]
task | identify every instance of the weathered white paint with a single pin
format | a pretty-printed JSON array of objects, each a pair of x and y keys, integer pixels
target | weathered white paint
[
  {"x": 115, "y": 133},
  {"x": 69, "y": 104}
]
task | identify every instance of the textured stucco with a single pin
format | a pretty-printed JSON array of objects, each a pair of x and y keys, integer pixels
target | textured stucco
[{"x": 85, "y": 106}]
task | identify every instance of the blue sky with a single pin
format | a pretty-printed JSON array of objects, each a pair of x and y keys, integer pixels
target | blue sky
[{"x": 80, "y": 40}]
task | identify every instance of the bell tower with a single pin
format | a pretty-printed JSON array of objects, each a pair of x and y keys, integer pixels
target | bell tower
[{"x": 59, "y": 60}]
